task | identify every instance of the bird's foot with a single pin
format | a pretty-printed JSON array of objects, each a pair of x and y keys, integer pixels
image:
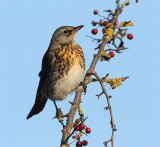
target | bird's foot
[
  {"x": 84, "y": 87},
  {"x": 59, "y": 113},
  {"x": 60, "y": 116}
]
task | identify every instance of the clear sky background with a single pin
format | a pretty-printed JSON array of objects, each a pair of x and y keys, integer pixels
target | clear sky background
[{"x": 26, "y": 28}]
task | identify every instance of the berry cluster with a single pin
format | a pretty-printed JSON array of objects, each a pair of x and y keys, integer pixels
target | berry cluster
[
  {"x": 105, "y": 24},
  {"x": 83, "y": 143},
  {"x": 80, "y": 128}
]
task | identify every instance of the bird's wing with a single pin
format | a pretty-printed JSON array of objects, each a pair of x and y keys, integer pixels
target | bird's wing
[
  {"x": 47, "y": 60},
  {"x": 40, "y": 101}
]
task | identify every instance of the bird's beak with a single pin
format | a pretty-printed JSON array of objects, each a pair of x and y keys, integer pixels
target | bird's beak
[{"x": 77, "y": 29}]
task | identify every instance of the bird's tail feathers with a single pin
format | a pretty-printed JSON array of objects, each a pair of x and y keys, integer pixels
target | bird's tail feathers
[{"x": 37, "y": 108}]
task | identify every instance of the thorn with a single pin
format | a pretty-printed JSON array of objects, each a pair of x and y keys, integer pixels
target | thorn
[
  {"x": 84, "y": 119},
  {"x": 114, "y": 129},
  {"x": 85, "y": 134},
  {"x": 54, "y": 117},
  {"x": 106, "y": 108},
  {"x": 71, "y": 102}
]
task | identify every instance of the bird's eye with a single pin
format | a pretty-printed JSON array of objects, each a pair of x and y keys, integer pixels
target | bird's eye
[{"x": 66, "y": 32}]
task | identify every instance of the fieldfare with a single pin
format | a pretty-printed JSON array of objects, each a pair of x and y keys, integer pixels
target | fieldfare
[{"x": 63, "y": 68}]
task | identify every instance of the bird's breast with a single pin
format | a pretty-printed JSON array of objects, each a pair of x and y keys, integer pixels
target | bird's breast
[
  {"x": 69, "y": 82},
  {"x": 70, "y": 70}
]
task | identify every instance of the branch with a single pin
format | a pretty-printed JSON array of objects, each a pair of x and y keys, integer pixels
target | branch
[{"x": 108, "y": 107}]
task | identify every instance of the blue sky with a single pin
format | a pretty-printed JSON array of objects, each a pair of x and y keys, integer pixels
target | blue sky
[{"x": 26, "y": 28}]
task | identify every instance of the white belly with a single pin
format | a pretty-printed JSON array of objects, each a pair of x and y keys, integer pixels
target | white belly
[{"x": 68, "y": 83}]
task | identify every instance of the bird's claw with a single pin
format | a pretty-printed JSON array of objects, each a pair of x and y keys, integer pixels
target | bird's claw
[
  {"x": 59, "y": 113},
  {"x": 84, "y": 87}
]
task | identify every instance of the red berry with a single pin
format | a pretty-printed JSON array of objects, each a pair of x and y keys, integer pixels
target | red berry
[
  {"x": 78, "y": 144},
  {"x": 82, "y": 126},
  {"x": 94, "y": 31},
  {"x": 77, "y": 128},
  {"x": 95, "y": 12},
  {"x": 116, "y": 22},
  {"x": 104, "y": 30},
  {"x": 88, "y": 130},
  {"x": 112, "y": 54},
  {"x": 84, "y": 142},
  {"x": 130, "y": 36},
  {"x": 105, "y": 23}
]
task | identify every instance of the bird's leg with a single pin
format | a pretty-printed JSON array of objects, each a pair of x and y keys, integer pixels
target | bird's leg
[
  {"x": 59, "y": 114},
  {"x": 58, "y": 110},
  {"x": 55, "y": 105}
]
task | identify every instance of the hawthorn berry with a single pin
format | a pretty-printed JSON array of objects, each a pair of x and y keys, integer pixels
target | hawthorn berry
[
  {"x": 84, "y": 142},
  {"x": 78, "y": 144},
  {"x": 94, "y": 31},
  {"x": 77, "y": 128},
  {"x": 105, "y": 23},
  {"x": 88, "y": 130},
  {"x": 112, "y": 54},
  {"x": 130, "y": 36},
  {"x": 104, "y": 30},
  {"x": 82, "y": 126},
  {"x": 95, "y": 12}
]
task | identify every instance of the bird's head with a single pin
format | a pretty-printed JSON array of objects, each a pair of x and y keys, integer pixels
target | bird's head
[{"x": 64, "y": 35}]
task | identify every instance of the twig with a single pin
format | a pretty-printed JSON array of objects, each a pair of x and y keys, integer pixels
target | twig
[
  {"x": 125, "y": 78},
  {"x": 98, "y": 95},
  {"x": 98, "y": 40},
  {"x": 72, "y": 142},
  {"x": 116, "y": 50},
  {"x": 109, "y": 106}
]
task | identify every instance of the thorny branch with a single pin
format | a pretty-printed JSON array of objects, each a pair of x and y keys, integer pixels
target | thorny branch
[
  {"x": 108, "y": 107},
  {"x": 69, "y": 125}
]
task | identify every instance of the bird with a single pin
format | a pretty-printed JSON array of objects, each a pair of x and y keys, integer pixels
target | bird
[{"x": 63, "y": 69}]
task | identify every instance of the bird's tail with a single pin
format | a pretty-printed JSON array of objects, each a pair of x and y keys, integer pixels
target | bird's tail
[{"x": 37, "y": 108}]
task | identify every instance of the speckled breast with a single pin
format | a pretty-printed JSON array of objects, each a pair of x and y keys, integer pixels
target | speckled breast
[{"x": 68, "y": 71}]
